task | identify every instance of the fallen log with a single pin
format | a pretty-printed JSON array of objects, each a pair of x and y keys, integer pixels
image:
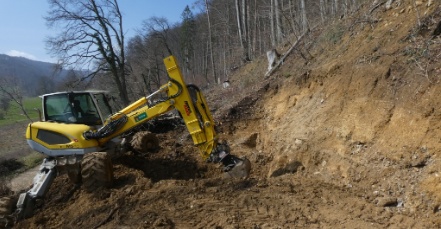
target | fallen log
[{"x": 282, "y": 57}]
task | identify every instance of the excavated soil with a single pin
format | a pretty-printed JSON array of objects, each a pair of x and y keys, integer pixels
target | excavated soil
[{"x": 347, "y": 138}]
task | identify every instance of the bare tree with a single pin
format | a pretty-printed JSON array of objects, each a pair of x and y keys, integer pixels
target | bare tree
[
  {"x": 145, "y": 54},
  {"x": 9, "y": 88},
  {"x": 279, "y": 26},
  {"x": 335, "y": 7},
  {"x": 210, "y": 42},
  {"x": 242, "y": 26},
  {"x": 322, "y": 10},
  {"x": 188, "y": 29},
  {"x": 4, "y": 104},
  {"x": 90, "y": 34},
  {"x": 304, "y": 19},
  {"x": 72, "y": 81},
  {"x": 276, "y": 23},
  {"x": 218, "y": 46},
  {"x": 272, "y": 22},
  {"x": 159, "y": 28}
]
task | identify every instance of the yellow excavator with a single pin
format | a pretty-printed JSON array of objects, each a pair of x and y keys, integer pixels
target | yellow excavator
[{"x": 79, "y": 134}]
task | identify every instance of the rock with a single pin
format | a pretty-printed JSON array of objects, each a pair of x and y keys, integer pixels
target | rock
[
  {"x": 289, "y": 168},
  {"x": 251, "y": 141},
  {"x": 386, "y": 201},
  {"x": 389, "y": 4}
]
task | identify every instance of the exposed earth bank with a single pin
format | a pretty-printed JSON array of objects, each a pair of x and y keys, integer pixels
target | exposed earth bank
[{"x": 347, "y": 137}]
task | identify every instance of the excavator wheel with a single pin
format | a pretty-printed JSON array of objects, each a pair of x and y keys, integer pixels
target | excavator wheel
[
  {"x": 144, "y": 141},
  {"x": 96, "y": 171},
  {"x": 7, "y": 205}
]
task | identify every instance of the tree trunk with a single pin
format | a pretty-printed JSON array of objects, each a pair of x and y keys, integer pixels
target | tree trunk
[
  {"x": 322, "y": 10},
  {"x": 273, "y": 31},
  {"x": 336, "y": 8},
  {"x": 242, "y": 23},
  {"x": 239, "y": 23},
  {"x": 247, "y": 33},
  {"x": 279, "y": 27},
  {"x": 254, "y": 29},
  {"x": 346, "y": 8},
  {"x": 95, "y": 24},
  {"x": 304, "y": 19},
  {"x": 210, "y": 44}
]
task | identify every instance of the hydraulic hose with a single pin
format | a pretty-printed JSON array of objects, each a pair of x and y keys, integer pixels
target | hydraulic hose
[
  {"x": 106, "y": 130},
  {"x": 179, "y": 88},
  {"x": 172, "y": 96}
]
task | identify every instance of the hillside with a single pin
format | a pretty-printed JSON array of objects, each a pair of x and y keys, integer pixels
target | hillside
[
  {"x": 345, "y": 134},
  {"x": 32, "y": 76}
]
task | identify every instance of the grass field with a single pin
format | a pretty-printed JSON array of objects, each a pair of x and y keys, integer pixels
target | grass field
[
  {"x": 14, "y": 113},
  {"x": 15, "y": 154}
]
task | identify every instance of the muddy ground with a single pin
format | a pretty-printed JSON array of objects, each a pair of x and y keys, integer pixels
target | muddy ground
[{"x": 348, "y": 137}]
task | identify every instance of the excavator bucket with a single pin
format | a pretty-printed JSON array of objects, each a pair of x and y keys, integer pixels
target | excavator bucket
[{"x": 240, "y": 170}]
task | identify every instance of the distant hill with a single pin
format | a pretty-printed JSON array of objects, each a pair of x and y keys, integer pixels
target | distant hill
[{"x": 35, "y": 77}]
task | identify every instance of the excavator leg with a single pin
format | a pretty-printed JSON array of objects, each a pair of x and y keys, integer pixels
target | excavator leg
[{"x": 42, "y": 182}]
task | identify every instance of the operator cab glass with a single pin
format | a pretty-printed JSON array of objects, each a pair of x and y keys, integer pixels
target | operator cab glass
[
  {"x": 103, "y": 105},
  {"x": 78, "y": 108}
]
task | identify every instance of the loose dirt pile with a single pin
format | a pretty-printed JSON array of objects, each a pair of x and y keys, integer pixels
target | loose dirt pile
[{"x": 347, "y": 138}]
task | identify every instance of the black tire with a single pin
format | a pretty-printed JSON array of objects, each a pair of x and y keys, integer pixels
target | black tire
[
  {"x": 144, "y": 142},
  {"x": 96, "y": 171},
  {"x": 7, "y": 207}
]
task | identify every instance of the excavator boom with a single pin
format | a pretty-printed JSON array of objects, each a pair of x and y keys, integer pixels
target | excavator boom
[
  {"x": 187, "y": 99},
  {"x": 68, "y": 134}
]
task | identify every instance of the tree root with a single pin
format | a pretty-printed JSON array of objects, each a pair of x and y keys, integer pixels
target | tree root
[{"x": 108, "y": 217}]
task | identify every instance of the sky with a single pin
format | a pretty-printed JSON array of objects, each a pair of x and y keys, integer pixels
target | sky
[{"x": 23, "y": 28}]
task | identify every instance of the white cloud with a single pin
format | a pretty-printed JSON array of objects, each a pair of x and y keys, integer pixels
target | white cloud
[{"x": 21, "y": 54}]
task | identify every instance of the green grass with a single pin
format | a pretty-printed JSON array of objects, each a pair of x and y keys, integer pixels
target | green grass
[
  {"x": 14, "y": 113},
  {"x": 32, "y": 160},
  {"x": 13, "y": 126},
  {"x": 13, "y": 166}
]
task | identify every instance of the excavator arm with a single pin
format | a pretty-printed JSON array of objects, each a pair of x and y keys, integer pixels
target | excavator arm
[{"x": 192, "y": 106}]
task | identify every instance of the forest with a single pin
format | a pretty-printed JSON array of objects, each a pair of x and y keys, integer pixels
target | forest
[
  {"x": 210, "y": 45},
  {"x": 344, "y": 133},
  {"x": 227, "y": 35}
]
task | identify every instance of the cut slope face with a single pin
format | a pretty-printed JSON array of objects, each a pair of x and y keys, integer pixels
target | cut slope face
[
  {"x": 346, "y": 139},
  {"x": 367, "y": 110}
]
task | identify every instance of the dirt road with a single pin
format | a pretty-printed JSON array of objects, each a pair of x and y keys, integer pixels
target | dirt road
[{"x": 23, "y": 180}]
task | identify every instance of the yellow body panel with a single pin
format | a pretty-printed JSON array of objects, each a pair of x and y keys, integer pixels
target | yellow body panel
[{"x": 74, "y": 132}]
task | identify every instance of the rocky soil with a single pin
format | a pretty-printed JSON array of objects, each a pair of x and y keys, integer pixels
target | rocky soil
[{"x": 347, "y": 136}]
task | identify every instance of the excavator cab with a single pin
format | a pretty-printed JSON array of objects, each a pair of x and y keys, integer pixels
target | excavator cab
[{"x": 88, "y": 108}]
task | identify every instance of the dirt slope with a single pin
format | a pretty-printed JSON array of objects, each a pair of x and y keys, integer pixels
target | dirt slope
[{"x": 349, "y": 138}]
